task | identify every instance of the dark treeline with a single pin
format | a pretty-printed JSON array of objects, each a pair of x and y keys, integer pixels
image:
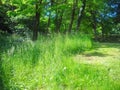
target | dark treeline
[{"x": 100, "y": 18}]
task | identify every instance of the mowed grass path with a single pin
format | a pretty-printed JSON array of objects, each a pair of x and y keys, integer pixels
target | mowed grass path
[{"x": 105, "y": 56}]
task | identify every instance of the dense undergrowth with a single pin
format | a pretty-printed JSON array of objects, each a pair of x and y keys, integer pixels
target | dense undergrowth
[{"x": 47, "y": 65}]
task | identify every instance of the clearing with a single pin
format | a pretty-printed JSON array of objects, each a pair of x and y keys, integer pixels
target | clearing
[{"x": 104, "y": 55}]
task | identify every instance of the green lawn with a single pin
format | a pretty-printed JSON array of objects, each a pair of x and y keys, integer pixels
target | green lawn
[{"x": 105, "y": 56}]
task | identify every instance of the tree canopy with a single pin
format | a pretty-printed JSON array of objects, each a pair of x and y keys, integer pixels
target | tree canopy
[{"x": 98, "y": 18}]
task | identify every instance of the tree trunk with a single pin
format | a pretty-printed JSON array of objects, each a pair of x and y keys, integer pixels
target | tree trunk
[
  {"x": 49, "y": 19},
  {"x": 103, "y": 33},
  {"x": 80, "y": 15},
  {"x": 56, "y": 21},
  {"x": 59, "y": 18},
  {"x": 48, "y": 24},
  {"x": 94, "y": 23},
  {"x": 0, "y": 2},
  {"x": 37, "y": 20},
  {"x": 73, "y": 14},
  {"x": 60, "y": 21}
]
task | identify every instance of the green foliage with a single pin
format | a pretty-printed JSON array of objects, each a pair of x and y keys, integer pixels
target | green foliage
[{"x": 56, "y": 16}]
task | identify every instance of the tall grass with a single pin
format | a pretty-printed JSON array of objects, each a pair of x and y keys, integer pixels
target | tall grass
[{"x": 47, "y": 65}]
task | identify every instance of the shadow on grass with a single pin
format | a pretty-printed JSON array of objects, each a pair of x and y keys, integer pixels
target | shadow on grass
[
  {"x": 107, "y": 45},
  {"x": 4, "y": 46},
  {"x": 97, "y": 46},
  {"x": 99, "y": 54}
]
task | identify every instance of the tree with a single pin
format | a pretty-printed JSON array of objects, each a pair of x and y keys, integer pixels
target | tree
[
  {"x": 87, "y": 16},
  {"x": 37, "y": 18},
  {"x": 80, "y": 15},
  {"x": 74, "y": 7},
  {"x": 4, "y": 19},
  {"x": 50, "y": 5}
]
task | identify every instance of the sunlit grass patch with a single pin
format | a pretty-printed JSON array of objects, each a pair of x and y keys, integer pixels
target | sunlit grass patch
[{"x": 106, "y": 56}]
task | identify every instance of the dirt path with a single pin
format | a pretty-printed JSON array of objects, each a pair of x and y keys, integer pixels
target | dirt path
[{"x": 105, "y": 55}]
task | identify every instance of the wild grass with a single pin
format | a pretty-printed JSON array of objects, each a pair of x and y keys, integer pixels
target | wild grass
[{"x": 47, "y": 64}]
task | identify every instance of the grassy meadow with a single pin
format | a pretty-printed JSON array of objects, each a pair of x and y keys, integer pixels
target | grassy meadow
[{"x": 59, "y": 62}]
